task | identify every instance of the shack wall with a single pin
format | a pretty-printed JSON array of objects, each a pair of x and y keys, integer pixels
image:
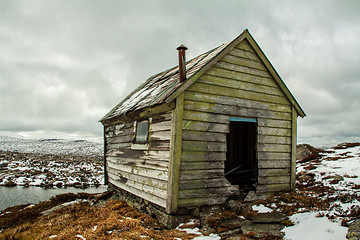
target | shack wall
[
  {"x": 239, "y": 86},
  {"x": 141, "y": 169}
]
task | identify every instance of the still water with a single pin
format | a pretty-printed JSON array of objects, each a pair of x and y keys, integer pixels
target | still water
[{"x": 12, "y": 196}]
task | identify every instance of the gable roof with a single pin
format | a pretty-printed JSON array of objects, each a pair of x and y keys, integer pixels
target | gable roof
[{"x": 164, "y": 87}]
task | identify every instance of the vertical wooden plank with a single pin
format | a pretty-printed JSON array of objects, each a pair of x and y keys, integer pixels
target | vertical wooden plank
[
  {"x": 106, "y": 177},
  {"x": 293, "y": 148},
  {"x": 175, "y": 156}
]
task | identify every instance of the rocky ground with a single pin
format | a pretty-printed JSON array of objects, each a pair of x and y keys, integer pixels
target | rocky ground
[
  {"x": 50, "y": 170},
  {"x": 50, "y": 162}
]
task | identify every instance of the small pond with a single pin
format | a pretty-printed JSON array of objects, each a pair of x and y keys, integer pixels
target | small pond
[{"x": 12, "y": 196}]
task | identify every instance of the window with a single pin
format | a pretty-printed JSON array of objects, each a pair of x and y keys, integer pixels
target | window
[{"x": 142, "y": 130}]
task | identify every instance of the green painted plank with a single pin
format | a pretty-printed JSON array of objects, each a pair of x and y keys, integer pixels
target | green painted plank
[
  {"x": 240, "y": 76},
  {"x": 235, "y": 111},
  {"x": 245, "y": 103},
  {"x": 244, "y": 62},
  {"x": 239, "y": 85},
  {"x": 201, "y": 146},
  {"x": 205, "y": 126},
  {"x": 188, "y": 156},
  {"x": 238, "y": 93},
  {"x": 203, "y": 136}
]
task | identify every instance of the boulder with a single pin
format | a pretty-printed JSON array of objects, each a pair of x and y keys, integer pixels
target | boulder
[{"x": 272, "y": 217}]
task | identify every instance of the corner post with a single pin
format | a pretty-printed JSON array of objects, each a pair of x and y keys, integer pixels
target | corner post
[
  {"x": 293, "y": 148},
  {"x": 106, "y": 177},
  {"x": 175, "y": 156}
]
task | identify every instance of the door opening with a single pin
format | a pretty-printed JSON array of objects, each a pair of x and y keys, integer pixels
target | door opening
[{"x": 241, "y": 162}]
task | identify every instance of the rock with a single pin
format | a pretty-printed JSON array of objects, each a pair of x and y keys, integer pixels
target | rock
[
  {"x": 235, "y": 206},
  {"x": 58, "y": 207},
  {"x": 273, "y": 217},
  {"x": 234, "y": 223},
  {"x": 232, "y": 232},
  {"x": 262, "y": 231},
  {"x": 253, "y": 196},
  {"x": 336, "y": 179},
  {"x": 303, "y": 150},
  {"x": 354, "y": 230}
]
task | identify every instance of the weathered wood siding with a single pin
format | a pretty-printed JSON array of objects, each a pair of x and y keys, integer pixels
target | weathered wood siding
[
  {"x": 140, "y": 170},
  {"x": 239, "y": 86}
]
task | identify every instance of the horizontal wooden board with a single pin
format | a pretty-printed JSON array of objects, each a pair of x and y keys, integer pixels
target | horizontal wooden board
[
  {"x": 138, "y": 170},
  {"x": 207, "y": 192},
  {"x": 195, "y": 202},
  {"x": 245, "y": 103},
  {"x": 162, "y": 117},
  {"x": 201, "y": 174},
  {"x": 269, "y": 147},
  {"x": 273, "y": 156},
  {"x": 245, "y": 62},
  {"x": 265, "y": 122},
  {"x": 120, "y": 139},
  {"x": 203, "y": 136},
  {"x": 160, "y": 145},
  {"x": 242, "y": 69},
  {"x": 188, "y": 156},
  {"x": 273, "y": 164},
  {"x": 125, "y": 145},
  {"x": 204, "y": 183},
  {"x": 205, "y": 117},
  {"x": 274, "y": 139},
  {"x": 274, "y": 131},
  {"x": 269, "y": 188},
  {"x": 238, "y": 93},
  {"x": 205, "y": 126},
  {"x": 160, "y": 126},
  {"x": 245, "y": 45},
  {"x": 160, "y": 135},
  {"x": 221, "y": 72},
  {"x": 274, "y": 180},
  {"x": 138, "y": 163},
  {"x": 201, "y": 146},
  {"x": 236, "y": 84},
  {"x": 244, "y": 54},
  {"x": 124, "y": 176},
  {"x": 269, "y": 172},
  {"x": 156, "y": 155},
  {"x": 232, "y": 110},
  {"x": 202, "y": 165},
  {"x": 148, "y": 189},
  {"x": 147, "y": 196}
]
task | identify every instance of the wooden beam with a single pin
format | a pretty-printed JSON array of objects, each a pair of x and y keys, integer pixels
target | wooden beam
[
  {"x": 293, "y": 148},
  {"x": 106, "y": 177},
  {"x": 175, "y": 156}
]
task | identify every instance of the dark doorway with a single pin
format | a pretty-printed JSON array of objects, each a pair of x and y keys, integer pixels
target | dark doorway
[{"x": 241, "y": 161}]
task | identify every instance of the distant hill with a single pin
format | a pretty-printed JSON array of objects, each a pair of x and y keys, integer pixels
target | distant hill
[{"x": 79, "y": 147}]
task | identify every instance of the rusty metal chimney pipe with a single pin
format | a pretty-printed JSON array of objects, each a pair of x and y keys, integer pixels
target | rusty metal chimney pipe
[{"x": 182, "y": 63}]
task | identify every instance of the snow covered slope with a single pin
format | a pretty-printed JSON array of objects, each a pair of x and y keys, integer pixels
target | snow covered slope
[{"x": 51, "y": 146}]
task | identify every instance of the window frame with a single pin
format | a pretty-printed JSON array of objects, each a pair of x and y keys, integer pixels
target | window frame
[{"x": 136, "y": 132}]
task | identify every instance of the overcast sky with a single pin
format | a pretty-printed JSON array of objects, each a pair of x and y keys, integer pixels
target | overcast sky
[{"x": 65, "y": 64}]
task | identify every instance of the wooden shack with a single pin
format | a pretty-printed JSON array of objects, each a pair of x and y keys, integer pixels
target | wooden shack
[{"x": 196, "y": 136}]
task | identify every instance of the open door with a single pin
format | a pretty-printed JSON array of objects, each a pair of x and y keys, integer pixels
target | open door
[{"x": 241, "y": 161}]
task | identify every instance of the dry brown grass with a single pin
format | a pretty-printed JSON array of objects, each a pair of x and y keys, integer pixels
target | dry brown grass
[{"x": 115, "y": 220}]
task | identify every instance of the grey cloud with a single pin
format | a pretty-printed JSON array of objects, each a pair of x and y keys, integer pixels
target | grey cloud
[{"x": 65, "y": 64}]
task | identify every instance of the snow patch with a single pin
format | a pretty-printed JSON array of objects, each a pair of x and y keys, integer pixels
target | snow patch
[{"x": 308, "y": 226}]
